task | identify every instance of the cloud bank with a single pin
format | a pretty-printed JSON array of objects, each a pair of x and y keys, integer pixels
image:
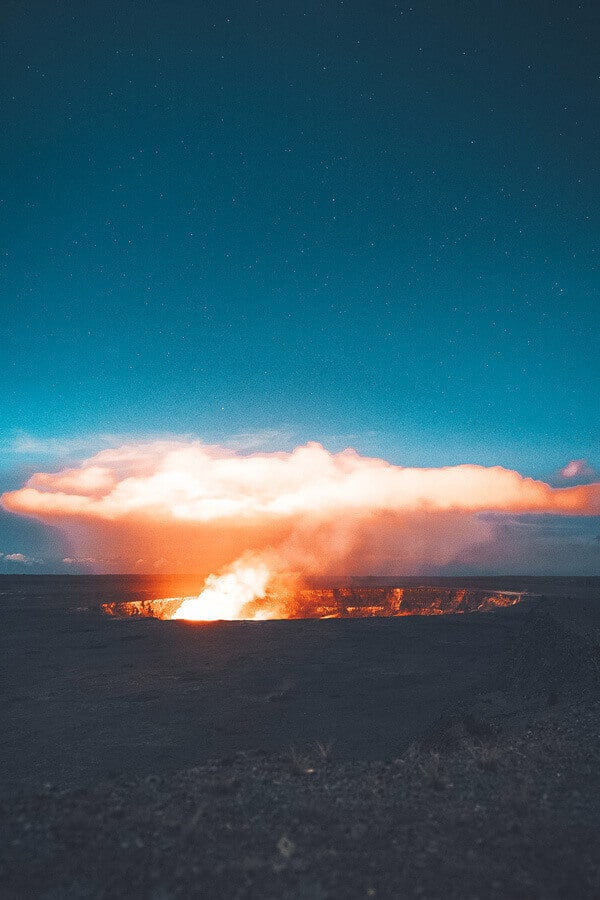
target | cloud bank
[{"x": 188, "y": 506}]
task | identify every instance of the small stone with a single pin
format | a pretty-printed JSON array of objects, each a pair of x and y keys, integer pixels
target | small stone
[{"x": 285, "y": 846}]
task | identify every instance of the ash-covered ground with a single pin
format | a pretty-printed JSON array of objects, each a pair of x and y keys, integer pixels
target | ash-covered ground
[{"x": 415, "y": 756}]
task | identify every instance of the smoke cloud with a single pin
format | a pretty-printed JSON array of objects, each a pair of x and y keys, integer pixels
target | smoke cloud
[{"x": 192, "y": 507}]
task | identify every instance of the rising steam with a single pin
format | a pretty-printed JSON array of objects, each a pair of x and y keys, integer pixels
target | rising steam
[
  {"x": 186, "y": 506},
  {"x": 230, "y": 595}
]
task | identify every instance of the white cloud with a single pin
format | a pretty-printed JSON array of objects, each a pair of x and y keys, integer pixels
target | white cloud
[{"x": 195, "y": 507}]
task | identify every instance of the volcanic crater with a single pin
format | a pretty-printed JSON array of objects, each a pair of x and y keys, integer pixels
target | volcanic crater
[{"x": 338, "y": 603}]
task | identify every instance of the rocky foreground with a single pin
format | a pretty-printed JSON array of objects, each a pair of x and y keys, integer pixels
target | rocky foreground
[
  {"x": 472, "y": 814},
  {"x": 498, "y": 797}
]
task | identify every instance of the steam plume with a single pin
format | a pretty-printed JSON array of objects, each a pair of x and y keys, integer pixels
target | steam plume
[{"x": 196, "y": 507}]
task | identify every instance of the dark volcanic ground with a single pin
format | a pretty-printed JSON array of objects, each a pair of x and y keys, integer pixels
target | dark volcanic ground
[
  {"x": 451, "y": 700},
  {"x": 84, "y": 696}
]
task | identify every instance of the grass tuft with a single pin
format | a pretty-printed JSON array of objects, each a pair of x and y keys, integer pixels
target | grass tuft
[
  {"x": 299, "y": 764},
  {"x": 325, "y": 750}
]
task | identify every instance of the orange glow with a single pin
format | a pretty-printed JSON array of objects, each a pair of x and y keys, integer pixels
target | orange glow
[
  {"x": 228, "y": 596},
  {"x": 181, "y": 482},
  {"x": 244, "y": 521},
  {"x": 296, "y": 602}
]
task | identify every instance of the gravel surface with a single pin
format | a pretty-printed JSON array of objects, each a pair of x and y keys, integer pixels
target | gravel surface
[
  {"x": 498, "y": 797},
  {"x": 499, "y": 815}
]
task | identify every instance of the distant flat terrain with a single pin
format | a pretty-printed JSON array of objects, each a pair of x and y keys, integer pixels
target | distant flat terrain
[{"x": 84, "y": 696}]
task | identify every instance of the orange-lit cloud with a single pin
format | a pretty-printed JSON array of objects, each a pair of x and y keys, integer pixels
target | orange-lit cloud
[
  {"x": 577, "y": 468},
  {"x": 198, "y": 507}
]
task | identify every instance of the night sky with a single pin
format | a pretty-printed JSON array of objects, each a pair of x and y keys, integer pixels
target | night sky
[{"x": 363, "y": 223}]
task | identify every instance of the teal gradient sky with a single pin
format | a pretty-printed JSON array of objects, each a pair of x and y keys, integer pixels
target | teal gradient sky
[{"x": 372, "y": 224}]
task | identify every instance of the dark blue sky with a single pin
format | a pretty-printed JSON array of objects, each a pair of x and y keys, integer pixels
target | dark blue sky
[{"x": 373, "y": 223}]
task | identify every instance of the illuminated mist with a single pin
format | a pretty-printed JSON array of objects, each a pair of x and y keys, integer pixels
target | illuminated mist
[{"x": 244, "y": 520}]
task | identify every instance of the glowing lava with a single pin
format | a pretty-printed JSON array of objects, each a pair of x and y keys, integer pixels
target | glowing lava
[
  {"x": 253, "y": 589},
  {"x": 228, "y": 596}
]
